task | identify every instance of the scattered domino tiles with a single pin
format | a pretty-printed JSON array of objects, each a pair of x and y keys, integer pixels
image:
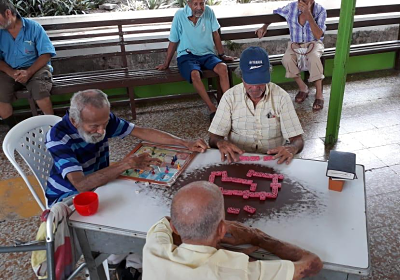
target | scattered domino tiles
[
  {"x": 255, "y": 158},
  {"x": 249, "y": 209},
  {"x": 232, "y": 210},
  {"x": 251, "y": 193}
]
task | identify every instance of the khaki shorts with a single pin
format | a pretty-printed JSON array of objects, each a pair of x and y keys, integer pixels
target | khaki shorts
[{"x": 39, "y": 85}]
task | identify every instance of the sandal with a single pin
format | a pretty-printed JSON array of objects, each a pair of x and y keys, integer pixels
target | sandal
[
  {"x": 318, "y": 105},
  {"x": 301, "y": 96}
]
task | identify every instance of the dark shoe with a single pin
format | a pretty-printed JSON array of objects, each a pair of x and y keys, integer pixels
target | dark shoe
[
  {"x": 212, "y": 115},
  {"x": 318, "y": 105},
  {"x": 128, "y": 273},
  {"x": 301, "y": 96}
]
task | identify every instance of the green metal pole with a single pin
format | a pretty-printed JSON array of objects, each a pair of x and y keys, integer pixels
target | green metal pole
[{"x": 343, "y": 43}]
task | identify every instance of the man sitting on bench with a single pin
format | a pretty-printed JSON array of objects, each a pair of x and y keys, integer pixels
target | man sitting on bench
[
  {"x": 187, "y": 245},
  {"x": 25, "y": 52},
  {"x": 194, "y": 32},
  {"x": 306, "y": 20},
  {"x": 256, "y": 116}
]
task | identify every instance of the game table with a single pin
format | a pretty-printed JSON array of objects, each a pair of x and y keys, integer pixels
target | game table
[{"x": 331, "y": 224}]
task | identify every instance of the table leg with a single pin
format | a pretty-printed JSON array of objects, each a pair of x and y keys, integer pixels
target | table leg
[{"x": 93, "y": 259}]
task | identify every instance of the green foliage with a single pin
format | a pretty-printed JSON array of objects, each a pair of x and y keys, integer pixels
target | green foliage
[
  {"x": 232, "y": 46},
  {"x": 213, "y": 2},
  {"x": 155, "y": 4},
  {"x": 40, "y": 8},
  {"x": 243, "y": 1}
]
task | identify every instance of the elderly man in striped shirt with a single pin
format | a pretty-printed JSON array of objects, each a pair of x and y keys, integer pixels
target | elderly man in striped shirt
[
  {"x": 306, "y": 20},
  {"x": 79, "y": 146},
  {"x": 256, "y": 116}
]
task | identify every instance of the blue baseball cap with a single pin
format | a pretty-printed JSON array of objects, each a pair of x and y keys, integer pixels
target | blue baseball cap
[{"x": 254, "y": 63}]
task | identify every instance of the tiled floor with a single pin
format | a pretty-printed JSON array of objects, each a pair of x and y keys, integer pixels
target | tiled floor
[{"x": 370, "y": 127}]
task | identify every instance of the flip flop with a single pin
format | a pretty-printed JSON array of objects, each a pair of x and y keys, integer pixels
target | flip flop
[
  {"x": 301, "y": 96},
  {"x": 319, "y": 103}
]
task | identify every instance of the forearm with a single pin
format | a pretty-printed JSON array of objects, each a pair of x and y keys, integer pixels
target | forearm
[
  {"x": 218, "y": 42},
  {"x": 170, "y": 52},
  {"x": 295, "y": 145},
  {"x": 214, "y": 139},
  {"x": 279, "y": 248},
  {"x": 4, "y": 67},
  {"x": 316, "y": 31},
  {"x": 39, "y": 64},
  {"x": 157, "y": 136},
  {"x": 99, "y": 178}
]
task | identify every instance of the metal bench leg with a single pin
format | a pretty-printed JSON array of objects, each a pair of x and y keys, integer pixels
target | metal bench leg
[
  {"x": 397, "y": 61},
  {"x": 131, "y": 94},
  {"x": 51, "y": 267},
  {"x": 219, "y": 90},
  {"x": 32, "y": 105}
]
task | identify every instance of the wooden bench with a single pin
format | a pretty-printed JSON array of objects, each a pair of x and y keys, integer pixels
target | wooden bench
[{"x": 116, "y": 39}]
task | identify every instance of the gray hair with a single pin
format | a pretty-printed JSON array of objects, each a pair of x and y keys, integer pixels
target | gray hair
[
  {"x": 202, "y": 226},
  {"x": 7, "y": 5},
  {"x": 81, "y": 99}
]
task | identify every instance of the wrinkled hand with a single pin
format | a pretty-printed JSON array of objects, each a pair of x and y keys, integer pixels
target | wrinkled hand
[
  {"x": 142, "y": 161},
  {"x": 261, "y": 32},
  {"x": 22, "y": 76},
  {"x": 229, "y": 151},
  {"x": 162, "y": 67},
  {"x": 240, "y": 234},
  {"x": 197, "y": 146},
  {"x": 228, "y": 58},
  {"x": 305, "y": 8},
  {"x": 284, "y": 154}
]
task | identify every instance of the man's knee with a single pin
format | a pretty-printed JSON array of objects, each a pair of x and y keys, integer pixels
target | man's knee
[
  {"x": 221, "y": 69},
  {"x": 195, "y": 76},
  {"x": 6, "y": 110}
]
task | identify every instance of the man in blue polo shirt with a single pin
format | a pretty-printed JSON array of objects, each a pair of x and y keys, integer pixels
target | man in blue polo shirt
[
  {"x": 79, "y": 146},
  {"x": 25, "y": 52},
  {"x": 194, "y": 32}
]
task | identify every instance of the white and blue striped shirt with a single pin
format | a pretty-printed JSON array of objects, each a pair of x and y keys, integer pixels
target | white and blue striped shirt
[{"x": 298, "y": 32}]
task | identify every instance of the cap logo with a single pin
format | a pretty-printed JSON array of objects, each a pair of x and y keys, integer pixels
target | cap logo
[
  {"x": 255, "y": 62},
  {"x": 255, "y": 67}
]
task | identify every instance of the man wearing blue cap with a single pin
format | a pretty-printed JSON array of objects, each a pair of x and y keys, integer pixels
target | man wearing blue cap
[{"x": 256, "y": 116}]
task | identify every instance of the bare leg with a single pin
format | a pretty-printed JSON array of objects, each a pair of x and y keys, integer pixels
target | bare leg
[
  {"x": 301, "y": 84},
  {"x": 6, "y": 110},
  {"x": 46, "y": 106},
  {"x": 198, "y": 85},
  {"x": 318, "y": 88},
  {"x": 222, "y": 70}
]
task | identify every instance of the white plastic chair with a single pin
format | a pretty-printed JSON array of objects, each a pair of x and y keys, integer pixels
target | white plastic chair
[{"x": 28, "y": 139}]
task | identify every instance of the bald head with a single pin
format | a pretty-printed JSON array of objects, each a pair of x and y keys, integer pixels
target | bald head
[{"x": 196, "y": 211}]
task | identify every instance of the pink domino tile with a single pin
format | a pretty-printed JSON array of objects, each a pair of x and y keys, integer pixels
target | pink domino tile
[
  {"x": 249, "y": 209},
  {"x": 237, "y": 193},
  {"x": 268, "y": 158},
  {"x": 211, "y": 178},
  {"x": 227, "y": 192},
  {"x": 250, "y": 173},
  {"x": 275, "y": 185},
  {"x": 233, "y": 210}
]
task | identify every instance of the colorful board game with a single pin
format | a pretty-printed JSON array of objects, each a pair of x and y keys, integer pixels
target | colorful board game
[{"x": 174, "y": 161}]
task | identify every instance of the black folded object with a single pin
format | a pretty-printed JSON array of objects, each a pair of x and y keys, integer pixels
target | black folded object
[{"x": 341, "y": 165}]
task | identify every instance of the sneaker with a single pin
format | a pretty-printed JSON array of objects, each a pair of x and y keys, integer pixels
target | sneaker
[
  {"x": 212, "y": 115},
  {"x": 127, "y": 273}
]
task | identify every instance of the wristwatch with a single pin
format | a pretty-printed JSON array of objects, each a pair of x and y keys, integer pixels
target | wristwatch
[{"x": 221, "y": 55}]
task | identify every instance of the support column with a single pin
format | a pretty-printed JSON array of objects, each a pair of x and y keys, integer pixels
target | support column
[{"x": 343, "y": 43}]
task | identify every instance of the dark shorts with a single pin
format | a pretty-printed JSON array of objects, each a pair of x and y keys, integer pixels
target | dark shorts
[
  {"x": 39, "y": 85},
  {"x": 189, "y": 62}
]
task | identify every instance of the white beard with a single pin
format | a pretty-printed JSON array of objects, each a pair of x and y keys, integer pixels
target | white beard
[{"x": 91, "y": 138}]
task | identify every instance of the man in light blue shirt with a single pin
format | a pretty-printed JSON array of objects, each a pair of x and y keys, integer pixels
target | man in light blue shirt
[
  {"x": 194, "y": 33},
  {"x": 25, "y": 52}
]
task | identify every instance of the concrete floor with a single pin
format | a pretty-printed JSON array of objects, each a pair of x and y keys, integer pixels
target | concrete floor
[{"x": 370, "y": 127}]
